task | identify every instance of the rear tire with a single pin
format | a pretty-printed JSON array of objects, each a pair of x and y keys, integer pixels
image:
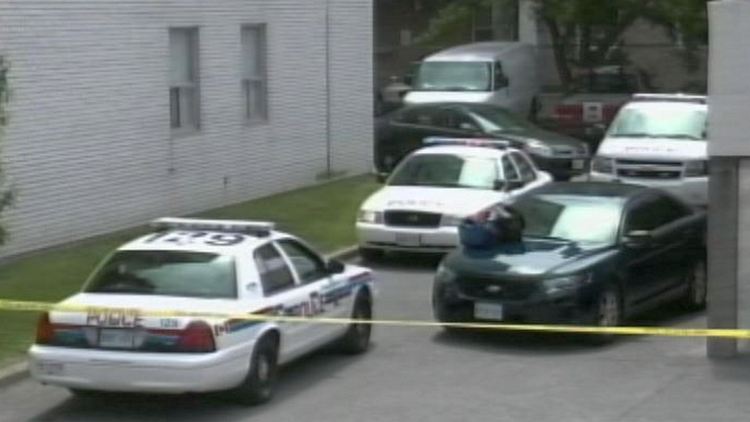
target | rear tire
[
  {"x": 258, "y": 386},
  {"x": 697, "y": 282},
  {"x": 356, "y": 340}
]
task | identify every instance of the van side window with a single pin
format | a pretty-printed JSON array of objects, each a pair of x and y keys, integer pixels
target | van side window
[{"x": 501, "y": 79}]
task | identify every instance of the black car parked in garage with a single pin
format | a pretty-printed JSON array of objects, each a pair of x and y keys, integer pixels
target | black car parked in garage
[
  {"x": 592, "y": 254},
  {"x": 401, "y": 132}
]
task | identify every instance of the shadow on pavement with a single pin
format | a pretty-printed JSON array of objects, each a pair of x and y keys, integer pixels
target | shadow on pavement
[
  {"x": 407, "y": 262},
  {"x": 294, "y": 379},
  {"x": 525, "y": 343}
]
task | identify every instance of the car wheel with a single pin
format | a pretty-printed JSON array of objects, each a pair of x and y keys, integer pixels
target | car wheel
[
  {"x": 371, "y": 255},
  {"x": 697, "y": 291},
  {"x": 607, "y": 313},
  {"x": 356, "y": 340},
  {"x": 258, "y": 386}
]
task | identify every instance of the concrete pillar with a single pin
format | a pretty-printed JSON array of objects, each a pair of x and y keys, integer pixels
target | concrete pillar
[
  {"x": 528, "y": 30},
  {"x": 722, "y": 253},
  {"x": 729, "y": 148}
]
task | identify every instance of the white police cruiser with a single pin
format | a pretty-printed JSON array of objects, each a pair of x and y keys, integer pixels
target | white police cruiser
[
  {"x": 106, "y": 340},
  {"x": 436, "y": 187}
]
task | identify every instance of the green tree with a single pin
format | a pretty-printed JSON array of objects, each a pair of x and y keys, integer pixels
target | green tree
[{"x": 585, "y": 33}]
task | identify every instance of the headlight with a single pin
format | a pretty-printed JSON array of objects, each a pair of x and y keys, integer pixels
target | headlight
[
  {"x": 562, "y": 284},
  {"x": 444, "y": 274},
  {"x": 537, "y": 147},
  {"x": 371, "y": 217},
  {"x": 603, "y": 165},
  {"x": 451, "y": 220},
  {"x": 696, "y": 168}
]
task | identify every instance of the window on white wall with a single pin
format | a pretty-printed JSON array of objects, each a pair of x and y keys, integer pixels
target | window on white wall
[
  {"x": 184, "y": 95},
  {"x": 254, "y": 77}
]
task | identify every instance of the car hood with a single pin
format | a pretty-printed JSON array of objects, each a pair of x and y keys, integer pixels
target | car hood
[
  {"x": 550, "y": 138},
  {"x": 653, "y": 148},
  {"x": 531, "y": 258},
  {"x": 454, "y": 201}
]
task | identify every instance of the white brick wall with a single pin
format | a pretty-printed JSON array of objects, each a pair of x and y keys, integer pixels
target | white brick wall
[{"x": 88, "y": 145}]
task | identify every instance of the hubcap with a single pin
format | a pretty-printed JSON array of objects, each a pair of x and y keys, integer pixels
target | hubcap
[
  {"x": 264, "y": 368},
  {"x": 609, "y": 310}
]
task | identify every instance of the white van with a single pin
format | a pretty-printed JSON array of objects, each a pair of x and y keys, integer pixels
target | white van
[
  {"x": 658, "y": 140},
  {"x": 500, "y": 73}
]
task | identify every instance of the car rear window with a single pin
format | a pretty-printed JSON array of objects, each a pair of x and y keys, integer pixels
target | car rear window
[{"x": 166, "y": 273}]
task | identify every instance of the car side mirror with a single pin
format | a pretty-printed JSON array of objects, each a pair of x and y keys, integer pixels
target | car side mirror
[
  {"x": 335, "y": 267},
  {"x": 381, "y": 177},
  {"x": 637, "y": 239},
  {"x": 501, "y": 81}
]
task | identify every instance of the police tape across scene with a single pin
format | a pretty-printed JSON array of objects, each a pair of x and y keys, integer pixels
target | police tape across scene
[{"x": 134, "y": 314}]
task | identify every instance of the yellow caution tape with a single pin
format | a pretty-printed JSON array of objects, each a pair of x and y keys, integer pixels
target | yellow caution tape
[{"x": 27, "y": 306}]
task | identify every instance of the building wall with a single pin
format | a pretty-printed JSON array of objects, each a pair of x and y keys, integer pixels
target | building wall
[{"x": 88, "y": 145}]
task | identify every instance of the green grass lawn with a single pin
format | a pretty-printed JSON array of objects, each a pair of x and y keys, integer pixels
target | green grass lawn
[{"x": 324, "y": 215}]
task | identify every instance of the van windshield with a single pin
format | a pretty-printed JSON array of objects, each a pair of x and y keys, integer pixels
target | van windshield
[
  {"x": 665, "y": 122},
  {"x": 454, "y": 76}
]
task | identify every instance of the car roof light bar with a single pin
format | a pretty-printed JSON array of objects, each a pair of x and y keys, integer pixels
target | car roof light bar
[
  {"x": 468, "y": 142},
  {"x": 253, "y": 228}
]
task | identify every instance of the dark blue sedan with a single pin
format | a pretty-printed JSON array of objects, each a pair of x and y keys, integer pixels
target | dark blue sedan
[{"x": 592, "y": 254}]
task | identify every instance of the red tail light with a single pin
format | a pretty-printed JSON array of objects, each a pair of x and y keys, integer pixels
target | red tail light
[
  {"x": 571, "y": 112},
  {"x": 197, "y": 338},
  {"x": 45, "y": 331}
]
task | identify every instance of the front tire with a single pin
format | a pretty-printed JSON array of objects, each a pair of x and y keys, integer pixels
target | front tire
[
  {"x": 356, "y": 340},
  {"x": 258, "y": 386},
  {"x": 608, "y": 312}
]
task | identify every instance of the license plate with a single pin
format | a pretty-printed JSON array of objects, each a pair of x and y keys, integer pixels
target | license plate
[
  {"x": 408, "y": 239},
  {"x": 116, "y": 338},
  {"x": 578, "y": 164},
  {"x": 491, "y": 311},
  {"x": 51, "y": 368}
]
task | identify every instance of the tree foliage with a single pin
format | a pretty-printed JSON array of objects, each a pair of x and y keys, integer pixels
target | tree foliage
[{"x": 585, "y": 33}]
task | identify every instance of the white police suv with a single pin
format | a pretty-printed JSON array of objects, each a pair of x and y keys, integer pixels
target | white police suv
[
  {"x": 658, "y": 140},
  {"x": 165, "y": 313},
  {"x": 436, "y": 187}
]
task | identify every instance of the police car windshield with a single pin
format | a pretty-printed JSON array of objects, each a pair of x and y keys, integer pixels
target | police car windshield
[
  {"x": 166, "y": 273},
  {"x": 563, "y": 216},
  {"x": 446, "y": 170},
  {"x": 687, "y": 123}
]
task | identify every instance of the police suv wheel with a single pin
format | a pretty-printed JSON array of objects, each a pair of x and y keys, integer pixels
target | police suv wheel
[
  {"x": 258, "y": 386},
  {"x": 357, "y": 337}
]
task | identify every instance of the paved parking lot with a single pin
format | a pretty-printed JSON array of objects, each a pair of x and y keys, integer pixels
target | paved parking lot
[{"x": 425, "y": 374}]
